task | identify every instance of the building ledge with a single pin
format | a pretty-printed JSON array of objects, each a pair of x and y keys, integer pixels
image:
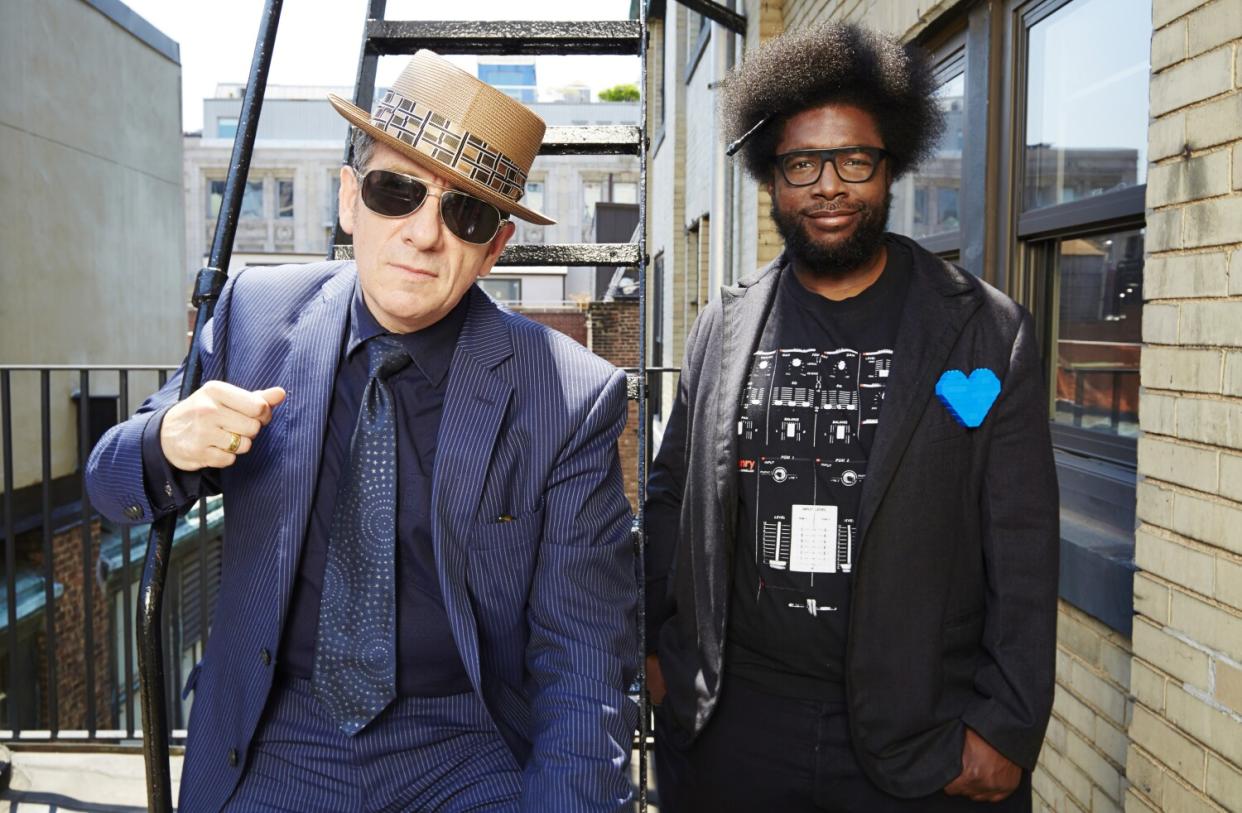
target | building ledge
[{"x": 1097, "y": 572}]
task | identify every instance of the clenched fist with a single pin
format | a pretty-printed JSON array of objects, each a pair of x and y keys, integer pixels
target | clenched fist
[{"x": 216, "y": 424}]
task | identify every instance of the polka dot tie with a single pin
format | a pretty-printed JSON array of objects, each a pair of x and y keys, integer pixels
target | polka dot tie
[{"x": 355, "y": 672}]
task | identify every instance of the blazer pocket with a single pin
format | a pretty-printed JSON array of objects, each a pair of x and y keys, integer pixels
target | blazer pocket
[
  {"x": 504, "y": 530},
  {"x": 944, "y": 431}
]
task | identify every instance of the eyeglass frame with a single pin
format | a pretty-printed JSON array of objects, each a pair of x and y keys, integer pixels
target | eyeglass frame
[
  {"x": 502, "y": 217},
  {"x": 829, "y": 156}
]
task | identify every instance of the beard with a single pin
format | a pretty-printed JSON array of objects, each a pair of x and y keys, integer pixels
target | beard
[{"x": 840, "y": 259}]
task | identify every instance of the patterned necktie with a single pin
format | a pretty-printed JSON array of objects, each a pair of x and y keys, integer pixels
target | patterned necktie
[{"x": 355, "y": 672}]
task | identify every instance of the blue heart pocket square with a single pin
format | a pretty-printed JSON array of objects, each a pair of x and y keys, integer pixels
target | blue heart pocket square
[{"x": 968, "y": 399}]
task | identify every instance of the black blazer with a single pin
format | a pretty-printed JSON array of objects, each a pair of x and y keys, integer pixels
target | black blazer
[{"x": 953, "y": 609}]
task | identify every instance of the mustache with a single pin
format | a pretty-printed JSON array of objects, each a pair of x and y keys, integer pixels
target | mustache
[{"x": 835, "y": 209}]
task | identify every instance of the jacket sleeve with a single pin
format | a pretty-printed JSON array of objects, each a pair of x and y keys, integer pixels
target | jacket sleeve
[
  {"x": 583, "y": 650},
  {"x": 118, "y": 474},
  {"x": 1021, "y": 545},
  {"x": 666, "y": 484}
]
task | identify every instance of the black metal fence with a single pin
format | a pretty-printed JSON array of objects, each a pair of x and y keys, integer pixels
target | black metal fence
[
  {"x": 69, "y": 585},
  {"x": 67, "y": 602}
]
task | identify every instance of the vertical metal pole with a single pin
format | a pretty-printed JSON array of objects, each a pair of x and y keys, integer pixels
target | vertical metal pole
[
  {"x": 127, "y": 597},
  {"x": 88, "y": 580},
  {"x": 49, "y": 563},
  {"x": 208, "y": 285},
  {"x": 644, "y": 711},
  {"x": 10, "y": 548}
]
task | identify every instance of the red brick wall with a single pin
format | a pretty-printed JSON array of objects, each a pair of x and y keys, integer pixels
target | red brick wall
[
  {"x": 571, "y": 323},
  {"x": 613, "y": 337},
  {"x": 71, "y": 634}
]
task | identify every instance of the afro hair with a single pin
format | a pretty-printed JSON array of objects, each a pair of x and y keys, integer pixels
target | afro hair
[{"x": 833, "y": 63}]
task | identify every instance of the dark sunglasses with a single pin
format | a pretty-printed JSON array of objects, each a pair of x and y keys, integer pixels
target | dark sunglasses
[
  {"x": 852, "y": 164},
  {"x": 391, "y": 194}
]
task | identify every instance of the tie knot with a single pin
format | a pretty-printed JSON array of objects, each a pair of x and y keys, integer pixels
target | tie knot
[{"x": 385, "y": 356}]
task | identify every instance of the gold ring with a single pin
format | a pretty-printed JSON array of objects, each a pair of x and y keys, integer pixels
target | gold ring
[{"x": 235, "y": 443}]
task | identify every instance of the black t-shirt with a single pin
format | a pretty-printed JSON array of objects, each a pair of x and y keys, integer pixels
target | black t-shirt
[{"x": 809, "y": 412}]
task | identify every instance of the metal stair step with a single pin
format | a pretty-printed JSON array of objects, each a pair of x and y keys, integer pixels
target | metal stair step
[
  {"x": 576, "y": 254},
  {"x": 604, "y": 139},
  {"x": 570, "y": 254},
  {"x": 504, "y": 37}
]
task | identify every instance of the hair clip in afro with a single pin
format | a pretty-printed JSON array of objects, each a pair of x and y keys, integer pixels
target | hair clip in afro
[{"x": 732, "y": 149}]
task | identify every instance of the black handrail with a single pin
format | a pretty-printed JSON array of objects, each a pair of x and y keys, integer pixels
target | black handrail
[{"x": 207, "y": 287}]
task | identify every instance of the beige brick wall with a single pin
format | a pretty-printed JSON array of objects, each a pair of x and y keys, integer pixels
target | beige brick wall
[
  {"x": 1082, "y": 766},
  {"x": 1186, "y": 726},
  {"x": 901, "y": 18}
]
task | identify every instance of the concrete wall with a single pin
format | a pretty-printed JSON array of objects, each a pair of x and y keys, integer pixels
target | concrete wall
[
  {"x": 91, "y": 205},
  {"x": 1186, "y": 733},
  {"x": 283, "y": 119}
]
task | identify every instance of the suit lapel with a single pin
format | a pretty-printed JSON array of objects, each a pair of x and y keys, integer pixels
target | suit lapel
[
  {"x": 474, "y": 406},
  {"x": 744, "y": 310},
  {"x": 938, "y": 304},
  {"x": 309, "y": 375}
]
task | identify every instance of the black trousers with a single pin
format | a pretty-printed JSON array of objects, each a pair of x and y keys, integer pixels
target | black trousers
[{"x": 763, "y": 753}]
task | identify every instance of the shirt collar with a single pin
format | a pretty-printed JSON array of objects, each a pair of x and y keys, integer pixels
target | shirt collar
[{"x": 431, "y": 348}]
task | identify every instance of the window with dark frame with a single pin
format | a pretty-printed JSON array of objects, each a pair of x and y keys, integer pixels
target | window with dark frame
[
  {"x": 1051, "y": 210},
  {"x": 926, "y": 202},
  {"x": 1078, "y": 174},
  {"x": 284, "y": 198},
  {"x": 252, "y": 201},
  {"x": 1082, "y": 169},
  {"x": 502, "y": 289}
]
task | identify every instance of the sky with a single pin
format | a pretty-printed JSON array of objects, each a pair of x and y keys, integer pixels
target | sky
[{"x": 317, "y": 42}]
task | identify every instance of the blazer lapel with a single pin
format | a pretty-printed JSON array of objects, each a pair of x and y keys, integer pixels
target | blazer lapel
[
  {"x": 474, "y": 406},
  {"x": 309, "y": 374},
  {"x": 744, "y": 310},
  {"x": 938, "y": 304}
]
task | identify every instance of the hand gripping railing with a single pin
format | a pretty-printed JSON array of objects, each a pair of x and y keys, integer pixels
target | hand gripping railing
[{"x": 207, "y": 289}]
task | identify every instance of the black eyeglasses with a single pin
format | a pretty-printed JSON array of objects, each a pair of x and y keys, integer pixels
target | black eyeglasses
[
  {"x": 392, "y": 194},
  {"x": 852, "y": 164}
]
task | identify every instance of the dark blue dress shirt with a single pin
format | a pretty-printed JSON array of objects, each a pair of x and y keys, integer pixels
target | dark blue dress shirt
[{"x": 428, "y": 663}]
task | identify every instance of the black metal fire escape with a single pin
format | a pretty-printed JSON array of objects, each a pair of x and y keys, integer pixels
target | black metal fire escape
[{"x": 625, "y": 37}]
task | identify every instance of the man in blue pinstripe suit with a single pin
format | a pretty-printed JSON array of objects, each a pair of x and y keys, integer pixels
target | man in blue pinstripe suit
[{"x": 428, "y": 591}]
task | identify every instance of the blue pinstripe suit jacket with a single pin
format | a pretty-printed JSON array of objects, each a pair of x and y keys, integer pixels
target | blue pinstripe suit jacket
[{"x": 542, "y": 607}]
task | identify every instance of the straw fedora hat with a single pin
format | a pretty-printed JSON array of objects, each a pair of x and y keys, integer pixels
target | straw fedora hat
[{"x": 450, "y": 123}]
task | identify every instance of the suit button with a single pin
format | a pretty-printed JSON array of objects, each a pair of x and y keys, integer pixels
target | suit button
[
  {"x": 266, "y": 657},
  {"x": 134, "y": 512},
  {"x": 233, "y": 757},
  {"x": 167, "y": 489}
]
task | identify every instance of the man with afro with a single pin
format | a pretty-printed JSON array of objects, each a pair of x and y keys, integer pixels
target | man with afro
[{"x": 852, "y": 519}]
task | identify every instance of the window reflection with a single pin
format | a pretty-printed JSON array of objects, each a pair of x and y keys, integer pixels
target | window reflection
[
  {"x": 925, "y": 202},
  {"x": 1098, "y": 332},
  {"x": 1087, "y": 85}
]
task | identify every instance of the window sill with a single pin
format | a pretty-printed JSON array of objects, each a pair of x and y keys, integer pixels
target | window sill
[{"x": 1097, "y": 573}]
